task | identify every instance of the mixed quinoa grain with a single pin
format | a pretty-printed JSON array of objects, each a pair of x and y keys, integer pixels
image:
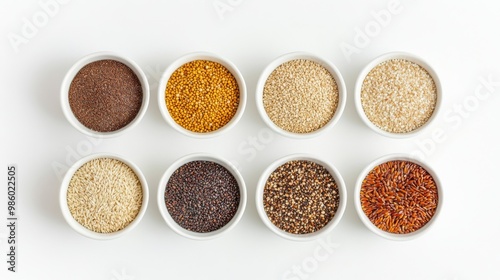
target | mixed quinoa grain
[
  {"x": 202, "y": 96},
  {"x": 398, "y": 96},
  {"x": 301, "y": 197},
  {"x": 300, "y": 96}
]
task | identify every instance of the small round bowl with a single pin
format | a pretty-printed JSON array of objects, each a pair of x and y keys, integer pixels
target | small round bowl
[
  {"x": 375, "y": 229},
  {"x": 309, "y": 236},
  {"x": 390, "y": 56},
  {"x": 197, "y": 235},
  {"x": 70, "y": 75},
  {"x": 307, "y": 56},
  {"x": 201, "y": 56},
  {"x": 80, "y": 228}
]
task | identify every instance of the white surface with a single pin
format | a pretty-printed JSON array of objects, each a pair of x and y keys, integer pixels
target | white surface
[{"x": 460, "y": 40}]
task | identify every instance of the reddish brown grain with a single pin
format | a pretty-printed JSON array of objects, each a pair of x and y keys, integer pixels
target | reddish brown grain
[{"x": 399, "y": 196}]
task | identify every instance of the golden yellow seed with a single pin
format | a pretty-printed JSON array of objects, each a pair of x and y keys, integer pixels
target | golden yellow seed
[{"x": 202, "y": 96}]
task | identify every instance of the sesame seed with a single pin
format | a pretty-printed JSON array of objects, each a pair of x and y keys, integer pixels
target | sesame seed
[{"x": 398, "y": 96}]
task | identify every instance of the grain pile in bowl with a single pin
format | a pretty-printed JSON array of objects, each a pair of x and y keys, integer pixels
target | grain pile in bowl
[
  {"x": 301, "y": 197},
  {"x": 300, "y": 96},
  {"x": 399, "y": 196},
  {"x": 398, "y": 96},
  {"x": 202, "y": 196},
  {"x": 202, "y": 96},
  {"x": 105, "y": 95},
  {"x": 104, "y": 195}
]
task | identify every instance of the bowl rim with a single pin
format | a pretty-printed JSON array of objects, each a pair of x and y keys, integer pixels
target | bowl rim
[
  {"x": 80, "y": 228},
  {"x": 412, "y": 58},
  {"x": 375, "y": 229},
  {"x": 197, "y": 235},
  {"x": 201, "y": 55},
  {"x": 309, "y": 236},
  {"x": 73, "y": 71},
  {"x": 334, "y": 71}
]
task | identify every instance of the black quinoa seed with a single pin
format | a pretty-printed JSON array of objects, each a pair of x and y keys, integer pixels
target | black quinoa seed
[{"x": 202, "y": 196}]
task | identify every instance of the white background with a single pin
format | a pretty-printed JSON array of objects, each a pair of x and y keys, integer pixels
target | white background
[{"x": 460, "y": 40}]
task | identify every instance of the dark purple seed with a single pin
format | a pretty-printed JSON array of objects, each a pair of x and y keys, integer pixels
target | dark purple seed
[{"x": 202, "y": 196}]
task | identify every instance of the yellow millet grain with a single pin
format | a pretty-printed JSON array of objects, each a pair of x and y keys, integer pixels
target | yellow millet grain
[{"x": 202, "y": 96}]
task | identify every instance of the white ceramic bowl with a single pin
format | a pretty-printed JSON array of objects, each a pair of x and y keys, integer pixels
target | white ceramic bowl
[
  {"x": 83, "y": 230},
  {"x": 294, "y": 56},
  {"x": 70, "y": 75},
  {"x": 377, "y": 61},
  {"x": 375, "y": 229},
  {"x": 201, "y": 56},
  {"x": 197, "y": 235},
  {"x": 301, "y": 237}
]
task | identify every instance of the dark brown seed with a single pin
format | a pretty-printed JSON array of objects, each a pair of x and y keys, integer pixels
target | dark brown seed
[
  {"x": 399, "y": 196},
  {"x": 301, "y": 197},
  {"x": 202, "y": 196},
  {"x": 105, "y": 95}
]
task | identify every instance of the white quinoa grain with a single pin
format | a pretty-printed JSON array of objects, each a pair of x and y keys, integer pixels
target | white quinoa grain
[
  {"x": 300, "y": 96},
  {"x": 398, "y": 96}
]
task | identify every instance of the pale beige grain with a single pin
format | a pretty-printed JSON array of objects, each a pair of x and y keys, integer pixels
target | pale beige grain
[
  {"x": 104, "y": 195},
  {"x": 398, "y": 96},
  {"x": 300, "y": 96}
]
